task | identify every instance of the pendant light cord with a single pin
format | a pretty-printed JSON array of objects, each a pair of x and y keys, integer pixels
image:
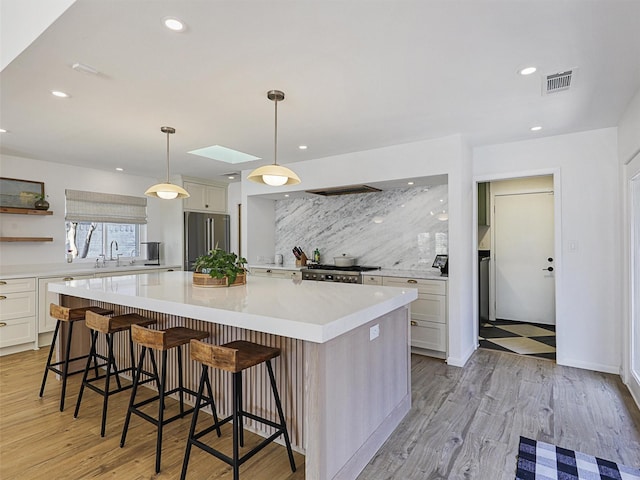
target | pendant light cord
[
  {"x": 275, "y": 135},
  {"x": 168, "y": 133}
]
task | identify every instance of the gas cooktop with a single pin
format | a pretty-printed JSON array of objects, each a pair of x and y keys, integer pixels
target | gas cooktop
[{"x": 353, "y": 268}]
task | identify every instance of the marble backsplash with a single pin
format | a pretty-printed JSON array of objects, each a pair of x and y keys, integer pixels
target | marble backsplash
[{"x": 400, "y": 229}]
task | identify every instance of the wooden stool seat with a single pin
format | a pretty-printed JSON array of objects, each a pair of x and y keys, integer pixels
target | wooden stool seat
[
  {"x": 108, "y": 326},
  {"x": 234, "y": 357},
  {"x": 117, "y": 323},
  {"x": 162, "y": 341},
  {"x": 166, "y": 339},
  {"x": 70, "y": 316}
]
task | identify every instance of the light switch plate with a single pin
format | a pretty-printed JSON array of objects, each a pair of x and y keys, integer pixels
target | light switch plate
[{"x": 374, "y": 332}]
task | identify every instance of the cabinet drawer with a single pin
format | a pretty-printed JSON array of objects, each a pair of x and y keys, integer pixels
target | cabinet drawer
[
  {"x": 436, "y": 287},
  {"x": 16, "y": 305},
  {"x": 429, "y": 308},
  {"x": 17, "y": 285},
  {"x": 17, "y": 331},
  {"x": 276, "y": 273},
  {"x": 372, "y": 280},
  {"x": 429, "y": 335}
]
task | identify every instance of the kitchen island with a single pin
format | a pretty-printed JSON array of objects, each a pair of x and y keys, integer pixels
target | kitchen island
[{"x": 344, "y": 372}]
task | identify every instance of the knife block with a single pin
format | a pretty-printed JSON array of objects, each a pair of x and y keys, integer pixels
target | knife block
[{"x": 302, "y": 262}]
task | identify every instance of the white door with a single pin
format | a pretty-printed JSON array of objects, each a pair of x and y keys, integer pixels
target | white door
[{"x": 525, "y": 282}]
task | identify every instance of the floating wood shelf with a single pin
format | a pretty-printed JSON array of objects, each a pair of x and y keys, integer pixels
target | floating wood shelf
[
  {"x": 25, "y": 211},
  {"x": 26, "y": 239}
]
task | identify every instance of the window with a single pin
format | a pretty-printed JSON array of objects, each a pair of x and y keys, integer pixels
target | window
[
  {"x": 100, "y": 223},
  {"x": 91, "y": 239}
]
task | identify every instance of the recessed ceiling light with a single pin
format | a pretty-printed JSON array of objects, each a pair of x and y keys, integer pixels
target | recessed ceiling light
[
  {"x": 286, "y": 195},
  {"x": 231, "y": 177},
  {"x": 302, "y": 147},
  {"x": 120, "y": 169},
  {"x": 2, "y": 130},
  {"x": 173, "y": 24},
  {"x": 58, "y": 93},
  {"x": 409, "y": 183},
  {"x": 527, "y": 71},
  {"x": 536, "y": 128}
]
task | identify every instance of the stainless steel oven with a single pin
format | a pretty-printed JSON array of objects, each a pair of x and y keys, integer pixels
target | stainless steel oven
[{"x": 331, "y": 273}]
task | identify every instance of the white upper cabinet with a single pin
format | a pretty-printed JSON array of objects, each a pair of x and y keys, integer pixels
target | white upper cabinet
[{"x": 205, "y": 197}]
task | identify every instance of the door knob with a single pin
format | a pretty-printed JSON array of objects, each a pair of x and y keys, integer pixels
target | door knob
[{"x": 549, "y": 268}]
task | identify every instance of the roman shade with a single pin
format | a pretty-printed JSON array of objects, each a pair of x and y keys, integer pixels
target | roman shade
[{"x": 104, "y": 207}]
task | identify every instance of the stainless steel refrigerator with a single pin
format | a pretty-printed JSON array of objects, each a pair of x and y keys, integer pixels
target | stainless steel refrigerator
[{"x": 204, "y": 232}]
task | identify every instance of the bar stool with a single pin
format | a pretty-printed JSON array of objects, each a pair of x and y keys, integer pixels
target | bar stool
[
  {"x": 163, "y": 341},
  {"x": 70, "y": 316},
  {"x": 234, "y": 357},
  {"x": 109, "y": 326}
]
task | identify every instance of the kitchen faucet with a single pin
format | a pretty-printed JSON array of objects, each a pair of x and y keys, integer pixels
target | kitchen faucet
[{"x": 111, "y": 249}]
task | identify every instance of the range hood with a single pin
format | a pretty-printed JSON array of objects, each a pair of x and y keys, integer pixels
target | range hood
[{"x": 346, "y": 190}]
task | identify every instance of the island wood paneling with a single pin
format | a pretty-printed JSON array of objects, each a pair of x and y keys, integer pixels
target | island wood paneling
[{"x": 257, "y": 395}]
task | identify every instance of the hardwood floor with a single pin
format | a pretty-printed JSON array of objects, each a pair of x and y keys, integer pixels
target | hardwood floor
[{"x": 464, "y": 424}]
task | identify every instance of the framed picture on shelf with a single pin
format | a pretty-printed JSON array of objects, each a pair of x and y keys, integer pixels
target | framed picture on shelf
[{"x": 17, "y": 193}]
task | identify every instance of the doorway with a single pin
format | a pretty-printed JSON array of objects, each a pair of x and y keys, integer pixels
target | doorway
[{"x": 519, "y": 242}]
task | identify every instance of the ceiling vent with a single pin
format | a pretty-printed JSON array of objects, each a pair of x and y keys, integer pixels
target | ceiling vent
[
  {"x": 558, "y": 82},
  {"x": 348, "y": 190}
]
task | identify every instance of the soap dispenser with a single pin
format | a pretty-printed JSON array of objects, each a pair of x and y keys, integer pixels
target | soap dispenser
[{"x": 316, "y": 255}]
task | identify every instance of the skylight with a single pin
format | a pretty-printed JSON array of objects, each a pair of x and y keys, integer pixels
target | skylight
[{"x": 224, "y": 154}]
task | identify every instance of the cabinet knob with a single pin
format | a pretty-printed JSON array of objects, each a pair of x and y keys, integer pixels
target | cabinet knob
[
  {"x": 3, "y": 283},
  {"x": 412, "y": 281},
  {"x": 414, "y": 323},
  {"x": 3, "y": 324},
  {"x": 170, "y": 270},
  {"x": 268, "y": 271},
  {"x": 206, "y": 206},
  {"x": 66, "y": 279},
  {"x": 2, "y": 297}
]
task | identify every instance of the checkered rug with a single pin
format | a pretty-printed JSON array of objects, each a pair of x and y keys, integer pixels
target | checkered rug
[{"x": 542, "y": 461}]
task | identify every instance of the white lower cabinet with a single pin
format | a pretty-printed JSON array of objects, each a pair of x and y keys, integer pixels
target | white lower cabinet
[
  {"x": 276, "y": 273},
  {"x": 18, "y": 309},
  {"x": 371, "y": 280},
  {"x": 428, "y": 313}
]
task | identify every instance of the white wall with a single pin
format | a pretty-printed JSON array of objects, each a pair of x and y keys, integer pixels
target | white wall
[
  {"x": 629, "y": 131},
  {"x": 162, "y": 215},
  {"x": 588, "y": 306}
]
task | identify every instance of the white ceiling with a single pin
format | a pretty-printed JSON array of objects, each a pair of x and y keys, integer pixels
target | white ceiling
[{"x": 357, "y": 75}]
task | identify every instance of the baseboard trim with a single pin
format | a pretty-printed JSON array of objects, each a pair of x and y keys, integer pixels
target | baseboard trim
[
  {"x": 596, "y": 367},
  {"x": 634, "y": 388},
  {"x": 461, "y": 361}
]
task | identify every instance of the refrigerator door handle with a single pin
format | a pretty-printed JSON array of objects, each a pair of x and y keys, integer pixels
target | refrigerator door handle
[{"x": 213, "y": 233}]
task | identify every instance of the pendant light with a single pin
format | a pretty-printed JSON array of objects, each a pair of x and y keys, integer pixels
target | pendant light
[
  {"x": 274, "y": 175},
  {"x": 167, "y": 191}
]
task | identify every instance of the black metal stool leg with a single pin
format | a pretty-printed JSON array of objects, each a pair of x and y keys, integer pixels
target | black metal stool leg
[
  {"x": 110, "y": 364},
  {"x": 53, "y": 347},
  {"x": 65, "y": 368},
  {"x": 163, "y": 379},
  {"x": 204, "y": 379},
  {"x": 240, "y": 416},
  {"x": 180, "y": 391},
  {"x": 274, "y": 387},
  {"x": 134, "y": 390},
  {"x": 92, "y": 355},
  {"x": 237, "y": 379},
  {"x": 213, "y": 404}
]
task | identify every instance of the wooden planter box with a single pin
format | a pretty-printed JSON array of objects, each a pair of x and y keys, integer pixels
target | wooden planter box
[{"x": 204, "y": 280}]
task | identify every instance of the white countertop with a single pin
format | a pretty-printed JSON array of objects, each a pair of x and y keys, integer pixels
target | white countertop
[
  {"x": 313, "y": 311},
  {"x": 75, "y": 268}
]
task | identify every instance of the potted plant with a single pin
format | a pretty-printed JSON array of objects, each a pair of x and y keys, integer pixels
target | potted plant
[
  {"x": 41, "y": 202},
  {"x": 219, "y": 269}
]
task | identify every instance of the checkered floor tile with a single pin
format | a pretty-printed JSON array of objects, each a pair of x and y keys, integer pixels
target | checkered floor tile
[{"x": 518, "y": 337}]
